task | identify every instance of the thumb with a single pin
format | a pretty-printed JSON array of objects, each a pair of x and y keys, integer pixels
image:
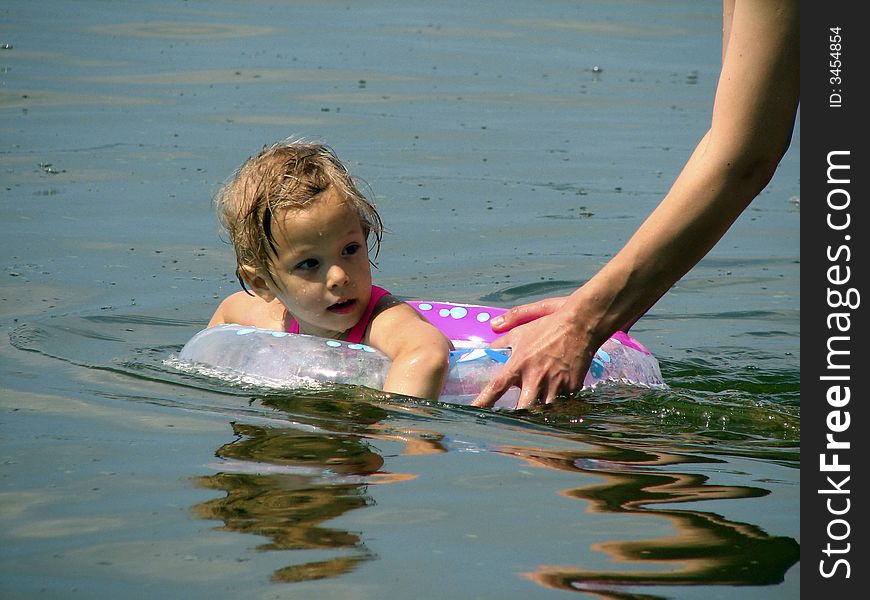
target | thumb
[{"x": 525, "y": 313}]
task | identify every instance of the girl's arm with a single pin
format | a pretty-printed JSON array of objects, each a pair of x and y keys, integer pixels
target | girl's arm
[
  {"x": 753, "y": 115},
  {"x": 418, "y": 350}
]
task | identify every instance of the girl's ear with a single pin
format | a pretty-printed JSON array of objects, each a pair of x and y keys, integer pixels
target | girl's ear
[{"x": 256, "y": 282}]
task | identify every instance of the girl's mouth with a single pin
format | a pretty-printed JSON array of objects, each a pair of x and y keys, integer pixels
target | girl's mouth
[{"x": 343, "y": 307}]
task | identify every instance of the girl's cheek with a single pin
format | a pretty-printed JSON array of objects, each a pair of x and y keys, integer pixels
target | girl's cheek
[{"x": 303, "y": 292}]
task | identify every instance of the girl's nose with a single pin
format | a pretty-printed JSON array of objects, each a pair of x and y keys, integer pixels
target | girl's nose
[{"x": 336, "y": 277}]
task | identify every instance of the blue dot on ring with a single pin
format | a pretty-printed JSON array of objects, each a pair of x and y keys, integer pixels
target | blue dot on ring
[
  {"x": 597, "y": 368},
  {"x": 333, "y": 344},
  {"x": 444, "y": 312},
  {"x": 424, "y": 306},
  {"x": 483, "y": 317},
  {"x": 458, "y": 312}
]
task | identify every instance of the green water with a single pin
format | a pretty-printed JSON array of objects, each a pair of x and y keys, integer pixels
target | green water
[{"x": 507, "y": 168}]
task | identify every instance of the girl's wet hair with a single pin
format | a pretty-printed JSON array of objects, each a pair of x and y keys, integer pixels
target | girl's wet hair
[{"x": 288, "y": 175}]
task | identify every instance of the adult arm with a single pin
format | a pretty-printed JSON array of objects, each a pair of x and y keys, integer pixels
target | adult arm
[{"x": 753, "y": 115}]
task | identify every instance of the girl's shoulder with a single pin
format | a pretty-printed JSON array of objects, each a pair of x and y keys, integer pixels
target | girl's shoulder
[{"x": 242, "y": 308}]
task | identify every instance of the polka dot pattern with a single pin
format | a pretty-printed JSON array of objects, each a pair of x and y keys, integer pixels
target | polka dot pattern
[{"x": 461, "y": 322}]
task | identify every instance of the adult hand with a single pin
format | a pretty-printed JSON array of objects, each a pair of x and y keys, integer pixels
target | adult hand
[
  {"x": 550, "y": 354},
  {"x": 519, "y": 315},
  {"x": 753, "y": 116}
]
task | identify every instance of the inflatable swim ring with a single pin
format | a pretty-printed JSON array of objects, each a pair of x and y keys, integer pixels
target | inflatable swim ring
[{"x": 275, "y": 359}]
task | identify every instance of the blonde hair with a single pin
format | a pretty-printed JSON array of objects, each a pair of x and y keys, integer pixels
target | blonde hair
[{"x": 287, "y": 175}]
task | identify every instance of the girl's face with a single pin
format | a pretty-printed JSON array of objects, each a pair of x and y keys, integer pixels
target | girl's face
[{"x": 322, "y": 273}]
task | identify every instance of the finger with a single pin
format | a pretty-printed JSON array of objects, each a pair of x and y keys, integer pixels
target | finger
[
  {"x": 551, "y": 396},
  {"x": 563, "y": 388},
  {"x": 500, "y": 342},
  {"x": 493, "y": 390},
  {"x": 518, "y": 315},
  {"x": 554, "y": 391},
  {"x": 529, "y": 396},
  {"x": 525, "y": 313}
]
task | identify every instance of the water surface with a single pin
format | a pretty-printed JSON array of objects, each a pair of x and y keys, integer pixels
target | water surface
[{"x": 510, "y": 152}]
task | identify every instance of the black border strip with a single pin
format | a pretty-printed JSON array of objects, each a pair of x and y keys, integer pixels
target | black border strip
[{"x": 834, "y": 360}]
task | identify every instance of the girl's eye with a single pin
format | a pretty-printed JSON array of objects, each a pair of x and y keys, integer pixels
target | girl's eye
[
  {"x": 307, "y": 265},
  {"x": 352, "y": 249}
]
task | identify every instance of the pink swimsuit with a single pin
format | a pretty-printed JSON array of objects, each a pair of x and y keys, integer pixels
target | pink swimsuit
[{"x": 354, "y": 334}]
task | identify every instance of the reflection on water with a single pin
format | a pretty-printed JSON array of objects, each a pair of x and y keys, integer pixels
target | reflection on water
[
  {"x": 299, "y": 480},
  {"x": 290, "y": 507},
  {"x": 300, "y": 461},
  {"x": 706, "y": 549}
]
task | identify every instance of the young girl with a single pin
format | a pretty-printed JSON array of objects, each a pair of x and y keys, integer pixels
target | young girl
[{"x": 300, "y": 228}]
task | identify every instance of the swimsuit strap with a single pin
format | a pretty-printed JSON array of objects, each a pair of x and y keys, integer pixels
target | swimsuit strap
[{"x": 356, "y": 333}]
